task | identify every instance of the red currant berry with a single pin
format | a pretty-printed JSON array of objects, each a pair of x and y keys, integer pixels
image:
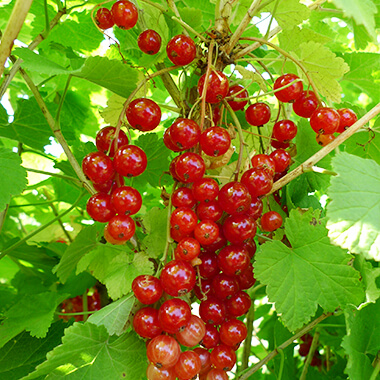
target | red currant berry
[
  {"x": 241, "y": 94},
  {"x": 255, "y": 209},
  {"x": 130, "y": 161},
  {"x": 250, "y": 247},
  {"x": 257, "y": 181},
  {"x": 216, "y": 374},
  {"x": 178, "y": 277},
  {"x": 212, "y": 311},
  {"x": 183, "y": 197},
  {"x": 203, "y": 290},
  {"x": 126, "y": 200},
  {"x": 154, "y": 373},
  {"x": 187, "y": 249},
  {"x": 281, "y": 159},
  {"x": 215, "y": 141},
  {"x": 206, "y": 232},
  {"x": 305, "y": 104},
  {"x": 184, "y": 219},
  {"x": 149, "y": 42},
  {"x": 238, "y": 304},
  {"x": 233, "y": 260},
  {"x": 204, "y": 355},
  {"x": 211, "y": 338},
  {"x": 146, "y": 324},
  {"x": 147, "y": 289},
  {"x": 169, "y": 142},
  {"x": 278, "y": 144},
  {"x": 110, "y": 239},
  {"x": 263, "y": 161},
  {"x": 205, "y": 189},
  {"x": 124, "y": 14},
  {"x": 178, "y": 235},
  {"x": 106, "y": 136},
  {"x": 246, "y": 279},
  {"x": 181, "y": 50},
  {"x": 290, "y": 93},
  {"x": 257, "y": 114},
  {"x": 325, "y": 120},
  {"x": 209, "y": 266},
  {"x": 185, "y": 133},
  {"x": 224, "y": 286},
  {"x": 304, "y": 349},
  {"x": 98, "y": 167},
  {"x": 323, "y": 140},
  {"x": 234, "y": 198},
  {"x": 188, "y": 366},
  {"x": 163, "y": 351},
  {"x": 237, "y": 228},
  {"x": 174, "y": 315},
  {"x": 100, "y": 208},
  {"x": 223, "y": 357},
  {"x": 193, "y": 332},
  {"x": 104, "y": 18},
  {"x": 143, "y": 114},
  {"x": 190, "y": 167},
  {"x": 347, "y": 118},
  {"x": 270, "y": 221},
  {"x": 217, "y": 87},
  {"x": 232, "y": 332},
  {"x": 121, "y": 227},
  {"x": 284, "y": 131},
  {"x": 209, "y": 210},
  {"x": 110, "y": 185}
]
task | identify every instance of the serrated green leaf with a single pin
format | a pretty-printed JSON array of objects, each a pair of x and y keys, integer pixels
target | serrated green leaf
[
  {"x": 369, "y": 275},
  {"x": 13, "y": 176},
  {"x": 21, "y": 355},
  {"x": 115, "y": 315},
  {"x": 324, "y": 67},
  {"x": 312, "y": 272},
  {"x": 33, "y": 313},
  {"x": 87, "y": 351},
  {"x": 353, "y": 213},
  {"x": 365, "y": 144},
  {"x": 253, "y": 76},
  {"x": 362, "y": 340}
]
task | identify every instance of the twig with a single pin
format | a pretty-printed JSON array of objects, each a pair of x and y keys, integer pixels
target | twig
[
  {"x": 188, "y": 27},
  {"x": 53, "y": 175},
  {"x": 173, "y": 7},
  {"x": 310, "y": 355},
  {"x": 282, "y": 346},
  {"x": 326, "y": 150},
  {"x": 247, "y": 342}
]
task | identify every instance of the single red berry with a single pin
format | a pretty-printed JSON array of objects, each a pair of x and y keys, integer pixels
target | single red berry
[
  {"x": 187, "y": 249},
  {"x": 257, "y": 181},
  {"x": 304, "y": 349},
  {"x": 126, "y": 200},
  {"x": 263, "y": 161},
  {"x": 110, "y": 239},
  {"x": 212, "y": 311},
  {"x": 149, "y": 42},
  {"x": 250, "y": 247},
  {"x": 178, "y": 277},
  {"x": 183, "y": 197},
  {"x": 223, "y": 357},
  {"x": 305, "y": 104},
  {"x": 147, "y": 289},
  {"x": 192, "y": 333},
  {"x": 205, "y": 189},
  {"x": 204, "y": 355},
  {"x": 177, "y": 235},
  {"x": 234, "y": 198},
  {"x": 233, "y": 260},
  {"x": 211, "y": 338},
  {"x": 100, "y": 208},
  {"x": 217, "y": 87},
  {"x": 204, "y": 289},
  {"x": 143, "y": 114},
  {"x": 278, "y": 144},
  {"x": 224, "y": 286},
  {"x": 237, "y": 228},
  {"x": 238, "y": 304},
  {"x": 209, "y": 266},
  {"x": 163, "y": 351},
  {"x": 257, "y": 114},
  {"x": 284, "y": 131},
  {"x": 242, "y": 93},
  {"x": 209, "y": 210},
  {"x": 232, "y": 332},
  {"x": 347, "y": 118},
  {"x": 184, "y": 219},
  {"x": 255, "y": 209},
  {"x": 110, "y": 185},
  {"x": 154, "y": 373},
  {"x": 106, "y": 136},
  {"x": 130, "y": 161},
  {"x": 218, "y": 244},
  {"x": 246, "y": 279},
  {"x": 325, "y": 120},
  {"x": 215, "y": 141},
  {"x": 270, "y": 221},
  {"x": 290, "y": 93},
  {"x": 181, "y": 50},
  {"x": 323, "y": 140},
  {"x": 169, "y": 142},
  {"x": 174, "y": 315},
  {"x": 316, "y": 361},
  {"x": 206, "y": 232},
  {"x": 190, "y": 167},
  {"x": 281, "y": 159},
  {"x": 98, "y": 167},
  {"x": 216, "y": 374},
  {"x": 121, "y": 227},
  {"x": 104, "y": 18},
  {"x": 124, "y": 14},
  {"x": 146, "y": 324},
  {"x": 188, "y": 366},
  {"x": 185, "y": 133}
]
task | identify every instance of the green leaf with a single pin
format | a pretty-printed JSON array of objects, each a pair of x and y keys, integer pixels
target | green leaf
[
  {"x": 362, "y": 342},
  {"x": 115, "y": 315},
  {"x": 155, "y": 223},
  {"x": 353, "y": 213},
  {"x": 13, "y": 176},
  {"x": 88, "y": 352},
  {"x": 21, "y": 355},
  {"x": 33, "y": 313},
  {"x": 313, "y": 272},
  {"x": 362, "y": 11},
  {"x": 324, "y": 67},
  {"x": 370, "y": 276}
]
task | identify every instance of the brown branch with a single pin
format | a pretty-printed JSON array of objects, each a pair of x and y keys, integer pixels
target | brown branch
[{"x": 326, "y": 150}]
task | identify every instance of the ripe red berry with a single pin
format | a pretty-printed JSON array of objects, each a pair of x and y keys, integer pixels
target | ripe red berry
[
  {"x": 126, "y": 200},
  {"x": 184, "y": 219},
  {"x": 270, "y": 221},
  {"x": 130, "y": 161},
  {"x": 263, "y": 161},
  {"x": 257, "y": 181},
  {"x": 204, "y": 289},
  {"x": 147, "y": 289},
  {"x": 181, "y": 50},
  {"x": 241, "y": 94},
  {"x": 192, "y": 333},
  {"x": 146, "y": 324},
  {"x": 121, "y": 227},
  {"x": 212, "y": 311},
  {"x": 183, "y": 197},
  {"x": 98, "y": 167},
  {"x": 278, "y": 144},
  {"x": 223, "y": 357},
  {"x": 168, "y": 141},
  {"x": 257, "y": 114},
  {"x": 233, "y": 260},
  {"x": 187, "y": 249},
  {"x": 110, "y": 185},
  {"x": 224, "y": 286},
  {"x": 232, "y": 332},
  {"x": 281, "y": 159},
  {"x": 347, "y": 118},
  {"x": 174, "y": 315},
  {"x": 204, "y": 355},
  {"x": 325, "y": 120},
  {"x": 143, "y": 114},
  {"x": 205, "y": 189},
  {"x": 211, "y": 338},
  {"x": 305, "y": 104},
  {"x": 206, "y": 232},
  {"x": 149, "y": 42},
  {"x": 163, "y": 351},
  {"x": 237, "y": 228},
  {"x": 124, "y": 14},
  {"x": 178, "y": 277},
  {"x": 246, "y": 279},
  {"x": 234, "y": 198},
  {"x": 238, "y": 304},
  {"x": 216, "y": 374},
  {"x": 104, "y": 18},
  {"x": 154, "y": 373},
  {"x": 284, "y": 131},
  {"x": 217, "y": 87},
  {"x": 209, "y": 210},
  {"x": 215, "y": 141},
  {"x": 323, "y": 140},
  {"x": 190, "y": 167},
  {"x": 106, "y": 136},
  {"x": 209, "y": 266},
  {"x": 255, "y": 209},
  {"x": 100, "y": 208},
  {"x": 289, "y": 93},
  {"x": 185, "y": 133},
  {"x": 188, "y": 366}
]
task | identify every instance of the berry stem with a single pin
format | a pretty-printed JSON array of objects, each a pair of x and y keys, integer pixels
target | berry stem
[
  {"x": 247, "y": 342},
  {"x": 173, "y": 7},
  {"x": 74, "y": 314},
  {"x": 310, "y": 355},
  {"x": 169, "y": 240},
  {"x": 326, "y": 150},
  {"x": 282, "y": 346},
  {"x": 76, "y": 180}
]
